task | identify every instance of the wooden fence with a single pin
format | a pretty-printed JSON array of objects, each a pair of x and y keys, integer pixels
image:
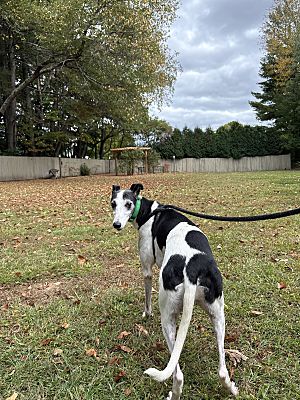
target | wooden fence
[{"x": 21, "y": 168}]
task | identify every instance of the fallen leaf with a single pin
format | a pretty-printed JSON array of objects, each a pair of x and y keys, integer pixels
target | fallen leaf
[
  {"x": 114, "y": 360},
  {"x": 159, "y": 346},
  {"x": 81, "y": 260},
  {"x": 127, "y": 392},
  {"x": 142, "y": 330},
  {"x": 57, "y": 352},
  {"x": 126, "y": 349},
  {"x": 45, "y": 342},
  {"x": 13, "y": 396},
  {"x": 235, "y": 356},
  {"x": 91, "y": 352},
  {"x": 120, "y": 375},
  {"x": 201, "y": 328},
  {"x": 281, "y": 285},
  {"x": 255, "y": 312},
  {"x": 231, "y": 337},
  {"x": 5, "y": 306},
  {"x": 123, "y": 335},
  {"x": 65, "y": 325}
]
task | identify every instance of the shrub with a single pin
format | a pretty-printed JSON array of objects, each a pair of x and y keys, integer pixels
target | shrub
[{"x": 84, "y": 170}]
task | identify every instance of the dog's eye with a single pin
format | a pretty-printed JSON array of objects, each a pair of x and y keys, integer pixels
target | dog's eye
[
  {"x": 128, "y": 205},
  {"x": 113, "y": 205}
]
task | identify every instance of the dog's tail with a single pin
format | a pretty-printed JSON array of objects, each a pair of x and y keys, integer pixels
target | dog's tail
[{"x": 188, "y": 305}]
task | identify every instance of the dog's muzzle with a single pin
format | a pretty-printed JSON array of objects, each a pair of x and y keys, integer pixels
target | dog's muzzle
[{"x": 117, "y": 225}]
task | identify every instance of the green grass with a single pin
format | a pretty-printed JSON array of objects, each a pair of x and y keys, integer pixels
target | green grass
[{"x": 46, "y": 225}]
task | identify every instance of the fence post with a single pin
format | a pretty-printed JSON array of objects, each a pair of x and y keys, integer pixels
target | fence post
[{"x": 59, "y": 161}]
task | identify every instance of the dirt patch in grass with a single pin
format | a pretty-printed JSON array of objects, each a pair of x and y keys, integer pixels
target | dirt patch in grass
[{"x": 116, "y": 275}]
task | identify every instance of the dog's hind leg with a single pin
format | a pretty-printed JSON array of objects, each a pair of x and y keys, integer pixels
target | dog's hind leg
[
  {"x": 169, "y": 313},
  {"x": 216, "y": 312}
]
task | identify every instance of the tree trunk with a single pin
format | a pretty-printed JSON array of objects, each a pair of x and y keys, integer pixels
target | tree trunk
[
  {"x": 27, "y": 107},
  {"x": 10, "y": 113},
  {"x": 102, "y": 143},
  {"x": 57, "y": 149}
]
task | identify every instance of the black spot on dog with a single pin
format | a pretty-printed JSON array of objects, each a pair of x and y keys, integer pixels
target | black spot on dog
[
  {"x": 128, "y": 195},
  {"x": 173, "y": 272},
  {"x": 164, "y": 223},
  {"x": 145, "y": 210},
  {"x": 197, "y": 240},
  {"x": 202, "y": 270}
]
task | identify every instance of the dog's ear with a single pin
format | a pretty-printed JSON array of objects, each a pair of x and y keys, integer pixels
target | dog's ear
[
  {"x": 115, "y": 188},
  {"x": 136, "y": 188}
]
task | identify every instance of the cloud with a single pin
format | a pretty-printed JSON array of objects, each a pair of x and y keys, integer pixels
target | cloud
[{"x": 219, "y": 48}]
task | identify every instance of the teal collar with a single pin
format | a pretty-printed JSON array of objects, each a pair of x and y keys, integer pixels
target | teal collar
[{"x": 136, "y": 209}]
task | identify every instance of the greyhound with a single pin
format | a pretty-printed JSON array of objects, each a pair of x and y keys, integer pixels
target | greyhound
[{"x": 188, "y": 276}]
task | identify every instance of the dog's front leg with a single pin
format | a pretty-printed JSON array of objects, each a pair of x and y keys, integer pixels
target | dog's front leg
[
  {"x": 148, "y": 294},
  {"x": 147, "y": 261}
]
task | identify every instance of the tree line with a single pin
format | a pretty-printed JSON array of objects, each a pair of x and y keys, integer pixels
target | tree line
[{"x": 230, "y": 140}]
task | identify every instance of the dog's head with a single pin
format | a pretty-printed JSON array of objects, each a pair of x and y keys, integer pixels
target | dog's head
[{"x": 123, "y": 203}]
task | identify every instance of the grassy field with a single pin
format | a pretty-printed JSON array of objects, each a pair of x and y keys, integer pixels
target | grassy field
[{"x": 71, "y": 293}]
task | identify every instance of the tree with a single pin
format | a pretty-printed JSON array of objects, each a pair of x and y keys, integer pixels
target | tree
[
  {"x": 97, "y": 49},
  {"x": 152, "y": 131},
  {"x": 288, "y": 107},
  {"x": 278, "y": 100},
  {"x": 172, "y": 145}
]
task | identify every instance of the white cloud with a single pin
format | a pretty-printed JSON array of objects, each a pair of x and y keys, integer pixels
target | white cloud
[{"x": 219, "y": 50}]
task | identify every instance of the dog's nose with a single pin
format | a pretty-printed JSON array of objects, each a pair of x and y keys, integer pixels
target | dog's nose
[{"x": 117, "y": 225}]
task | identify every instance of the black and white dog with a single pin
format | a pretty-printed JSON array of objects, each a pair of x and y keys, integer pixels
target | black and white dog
[{"x": 188, "y": 275}]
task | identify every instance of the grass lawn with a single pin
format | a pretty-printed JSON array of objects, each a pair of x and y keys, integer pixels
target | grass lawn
[{"x": 71, "y": 292}]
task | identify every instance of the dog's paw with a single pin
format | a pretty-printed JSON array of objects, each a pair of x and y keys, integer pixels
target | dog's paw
[
  {"x": 146, "y": 314},
  {"x": 234, "y": 390},
  {"x": 172, "y": 396}
]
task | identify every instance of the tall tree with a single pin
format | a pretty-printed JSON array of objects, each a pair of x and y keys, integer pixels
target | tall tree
[
  {"x": 277, "y": 102},
  {"x": 105, "y": 49}
]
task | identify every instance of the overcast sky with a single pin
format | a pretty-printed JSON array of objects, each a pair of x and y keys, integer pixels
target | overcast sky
[{"x": 219, "y": 48}]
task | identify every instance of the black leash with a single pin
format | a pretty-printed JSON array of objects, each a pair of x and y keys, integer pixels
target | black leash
[{"x": 262, "y": 217}]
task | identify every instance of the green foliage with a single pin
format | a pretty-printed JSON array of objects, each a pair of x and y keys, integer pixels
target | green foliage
[
  {"x": 84, "y": 170},
  {"x": 89, "y": 70},
  {"x": 153, "y": 159},
  {"x": 231, "y": 140},
  {"x": 128, "y": 160},
  {"x": 279, "y": 99}
]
